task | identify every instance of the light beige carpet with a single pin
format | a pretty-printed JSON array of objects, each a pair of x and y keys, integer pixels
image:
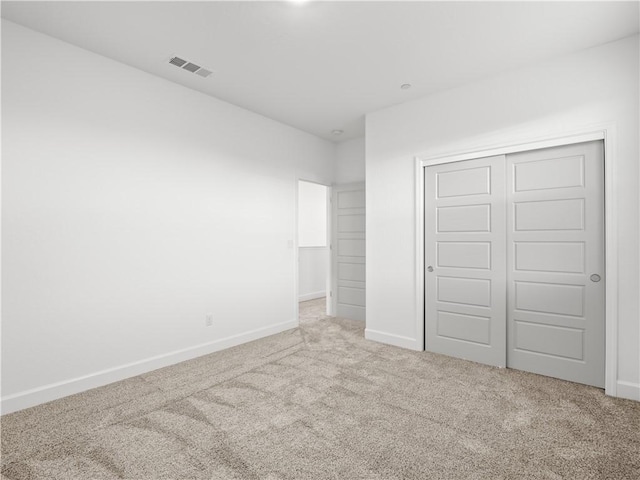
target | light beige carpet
[{"x": 320, "y": 402}]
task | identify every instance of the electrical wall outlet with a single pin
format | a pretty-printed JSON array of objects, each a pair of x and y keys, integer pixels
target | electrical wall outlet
[{"x": 208, "y": 321}]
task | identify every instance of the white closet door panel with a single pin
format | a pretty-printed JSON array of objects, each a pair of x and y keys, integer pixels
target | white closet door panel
[
  {"x": 561, "y": 257},
  {"x": 466, "y": 291},
  {"x": 548, "y": 173},
  {"x": 561, "y": 342},
  {"x": 567, "y": 214},
  {"x": 465, "y": 260},
  {"x": 466, "y": 218},
  {"x": 555, "y": 244},
  {"x": 554, "y": 298},
  {"x": 462, "y": 327},
  {"x": 472, "y": 180},
  {"x": 464, "y": 255}
]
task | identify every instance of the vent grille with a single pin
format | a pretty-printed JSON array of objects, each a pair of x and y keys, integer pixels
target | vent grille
[
  {"x": 190, "y": 67},
  {"x": 203, "y": 72},
  {"x": 177, "y": 61}
]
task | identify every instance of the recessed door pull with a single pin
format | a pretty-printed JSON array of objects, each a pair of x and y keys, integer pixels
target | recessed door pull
[{"x": 595, "y": 277}]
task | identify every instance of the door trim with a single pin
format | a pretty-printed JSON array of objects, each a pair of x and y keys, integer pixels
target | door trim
[{"x": 605, "y": 132}]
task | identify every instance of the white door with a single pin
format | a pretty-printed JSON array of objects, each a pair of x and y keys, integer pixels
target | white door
[
  {"x": 348, "y": 251},
  {"x": 465, "y": 271},
  {"x": 555, "y": 260}
]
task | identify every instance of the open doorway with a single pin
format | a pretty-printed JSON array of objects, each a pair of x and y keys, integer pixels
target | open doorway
[{"x": 313, "y": 250}]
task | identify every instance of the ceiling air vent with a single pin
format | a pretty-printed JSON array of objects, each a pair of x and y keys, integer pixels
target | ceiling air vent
[
  {"x": 203, "y": 72},
  {"x": 190, "y": 67},
  {"x": 178, "y": 62}
]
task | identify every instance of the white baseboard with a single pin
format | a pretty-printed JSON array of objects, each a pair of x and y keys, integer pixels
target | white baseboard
[
  {"x": 47, "y": 393},
  {"x": 312, "y": 296},
  {"x": 628, "y": 390},
  {"x": 391, "y": 339}
]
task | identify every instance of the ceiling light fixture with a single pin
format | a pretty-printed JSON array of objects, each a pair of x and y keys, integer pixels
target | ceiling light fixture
[
  {"x": 405, "y": 86},
  {"x": 337, "y": 132}
]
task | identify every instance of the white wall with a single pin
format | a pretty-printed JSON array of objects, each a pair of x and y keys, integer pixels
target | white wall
[
  {"x": 350, "y": 161},
  {"x": 312, "y": 272},
  {"x": 598, "y": 85},
  {"x": 312, "y": 214},
  {"x": 131, "y": 208}
]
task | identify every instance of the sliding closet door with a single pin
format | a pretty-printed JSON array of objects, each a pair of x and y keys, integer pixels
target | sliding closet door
[
  {"x": 465, "y": 270},
  {"x": 555, "y": 261}
]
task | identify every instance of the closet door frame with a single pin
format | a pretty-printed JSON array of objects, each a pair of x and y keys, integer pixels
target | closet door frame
[{"x": 606, "y": 133}]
